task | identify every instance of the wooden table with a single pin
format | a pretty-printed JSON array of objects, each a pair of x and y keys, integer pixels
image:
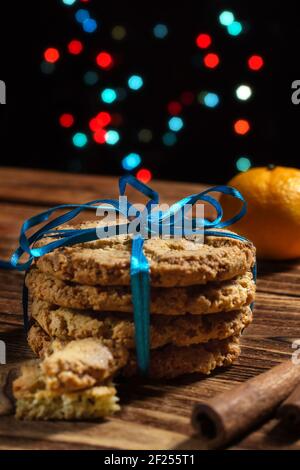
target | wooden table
[{"x": 155, "y": 415}]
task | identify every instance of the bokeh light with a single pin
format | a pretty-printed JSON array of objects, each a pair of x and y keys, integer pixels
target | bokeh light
[
  {"x": 112, "y": 137},
  {"x": 175, "y": 124},
  {"x": 160, "y": 31},
  {"x": 144, "y": 175},
  {"x": 211, "y": 100},
  {"x": 108, "y": 95},
  {"x": 131, "y": 161},
  {"x": 174, "y": 108},
  {"x": 211, "y": 60},
  {"x": 90, "y": 78},
  {"x": 241, "y": 126},
  {"x": 89, "y": 25},
  {"x": 81, "y": 15},
  {"x": 51, "y": 55},
  {"x": 169, "y": 139},
  {"x": 235, "y": 28},
  {"x": 226, "y": 18},
  {"x": 187, "y": 98},
  {"x": 75, "y": 47},
  {"x": 69, "y": 2},
  {"x": 79, "y": 139},
  {"x": 135, "y": 82},
  {"x": 203, "y": 40},
  {"x": 104, "y": 60},
  {"x": 99, "y": 136},
  {"x": 66, "y": 120},
  {"x": 118, "y": 32},
  {"x": 103, "y": 118},
  {"x": 243, "y": 92},
  {"x": 47, "y": 68},
  {"x": 243, "y": 164},
  {"x": 255, "y": 62},
  {"x": 145, "y": 136}
]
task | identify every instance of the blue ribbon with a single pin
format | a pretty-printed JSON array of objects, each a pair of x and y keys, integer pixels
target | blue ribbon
[{"x": 150, "y": 222}]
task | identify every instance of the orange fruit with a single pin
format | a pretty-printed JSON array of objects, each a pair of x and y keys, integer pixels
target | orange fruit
[{"x": 272, "y": 220}]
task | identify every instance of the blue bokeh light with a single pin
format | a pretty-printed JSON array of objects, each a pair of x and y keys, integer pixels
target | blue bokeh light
[
  {"x": 131, "y": 161},
  {"x": 169, "y": 139},
  {"x": 82, "y": 15},
  {"x": 211, "y": 100},
  {"x": 175, "y": 124},
  {"x": 90, "y": 25},
  {"x": 108, "y": 95},
  {"x": 160, "y": 31},
  {"x": 135, "y": 82},
  {"x": 112, "y": 137}
]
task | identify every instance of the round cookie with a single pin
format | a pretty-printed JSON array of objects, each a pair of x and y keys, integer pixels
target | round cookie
[
  {"x": 210, "y": 298},
  {"x": 68, "y": 324},
  {"x": 167, "y": 362},
  {"x": 173, "y": 262}
]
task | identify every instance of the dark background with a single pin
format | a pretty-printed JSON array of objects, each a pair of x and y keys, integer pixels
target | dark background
[{"x": 207, "y": 149}]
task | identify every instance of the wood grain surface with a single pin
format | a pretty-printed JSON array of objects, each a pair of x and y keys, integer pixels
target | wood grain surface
[{"x": 155, "y": 415}]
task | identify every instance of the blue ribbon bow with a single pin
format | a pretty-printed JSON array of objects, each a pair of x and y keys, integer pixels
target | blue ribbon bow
[{"x": 150, "y": 222}]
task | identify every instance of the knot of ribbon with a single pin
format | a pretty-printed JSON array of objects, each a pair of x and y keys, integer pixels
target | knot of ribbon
[{"x": 149, "y": 222}]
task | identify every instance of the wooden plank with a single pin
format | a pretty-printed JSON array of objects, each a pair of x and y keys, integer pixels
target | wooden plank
[{"x": 155, "y": 414}]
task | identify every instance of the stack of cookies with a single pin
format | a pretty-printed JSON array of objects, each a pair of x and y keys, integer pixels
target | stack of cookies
[{"x": 83, "y": 327}]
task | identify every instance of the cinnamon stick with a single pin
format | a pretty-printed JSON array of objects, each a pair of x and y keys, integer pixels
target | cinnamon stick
[
  {"x": 230, "y": 414},
  {"x": 289, "y": 410}
]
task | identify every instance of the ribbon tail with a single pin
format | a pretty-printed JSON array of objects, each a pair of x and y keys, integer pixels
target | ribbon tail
[{"x": 140, "y": 287}]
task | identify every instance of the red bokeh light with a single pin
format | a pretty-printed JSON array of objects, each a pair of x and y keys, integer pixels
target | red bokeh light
[
  {"x": 144, "y": 175},
  {"x": 174, "y": 108},
  {"x": 242, "y": 126},
  {"x": 255, "y": 62},
  {"x": 104, "y": 60},
  {"x": 66, "y": 120},
  {"x": 203, "y": 40},
  {"x": 103, "y": 119},
  {"x": 187, "y": 98},
  {"x": 75, "y": 47},
  {"x": 51, "y": 55},
  {"x": 211, "y": 60},
  {"x": 99, "y": 136}
]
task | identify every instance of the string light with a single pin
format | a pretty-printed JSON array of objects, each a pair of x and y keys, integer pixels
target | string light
[
  {"x": 175, "y": 124},
  {"x": 211, "y": 60},
  {"x": 160, "y": 31},
  {"x": 112, "y": 137},
  {"x": 135, "y": 82},
  {"x": 51, "y": 55},
  {"x": 211, "y": 100},
  {"x": 89, "y": 25},
  {"x": 241, "y": 126},
  {"x": 243, "y": 164},
  {"x": 131, "y": 161},
  {"x": 108, "y": 95},
  {"x": 235, "y": 28},
  {"x": 203, "y": 40},
  {"x": 75, "y": 47},
  {"x": 169, "y": 139},
  {"x": 90, "y": 78},
  {"x": 145, "y": 136},
  {"x": 243, "y": 92},
  {"x": 80, "y": 139},
  {"x": 104, "y": 60},
  {"x": 144, "y": 175},
  {"x": 255, "y": 62},
  {"x": 226, "y": 18},
  {"x": 118, "y": 33},
  {"x": 66, "y": 120}
]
